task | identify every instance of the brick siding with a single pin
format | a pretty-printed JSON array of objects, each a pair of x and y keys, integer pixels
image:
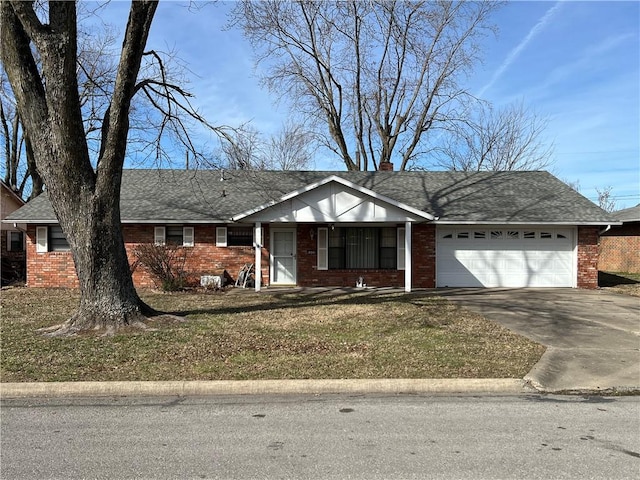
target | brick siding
[
  {"x": 423, "y": 273},
  {"x": 56, "y": 269},
  {"x": 588, "y": 257},
  {"x": 620, "y": 249}
]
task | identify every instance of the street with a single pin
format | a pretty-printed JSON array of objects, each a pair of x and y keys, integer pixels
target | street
[{"x": 326, "y": 437}]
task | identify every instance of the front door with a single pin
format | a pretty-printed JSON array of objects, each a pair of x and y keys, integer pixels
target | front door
[{"x": 283, "y": 256}]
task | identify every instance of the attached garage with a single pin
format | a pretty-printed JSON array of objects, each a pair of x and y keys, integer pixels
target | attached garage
[{"x": 505, "y": 256}]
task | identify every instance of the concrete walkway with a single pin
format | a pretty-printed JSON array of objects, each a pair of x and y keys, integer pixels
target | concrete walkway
[{"x": 592, "y": 336}]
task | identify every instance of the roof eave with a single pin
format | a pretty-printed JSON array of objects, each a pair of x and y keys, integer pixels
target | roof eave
[{"x": 502, "y": 222}]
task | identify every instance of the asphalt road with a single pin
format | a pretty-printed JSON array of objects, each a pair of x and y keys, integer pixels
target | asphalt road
[{"x": 329, "y": 436}]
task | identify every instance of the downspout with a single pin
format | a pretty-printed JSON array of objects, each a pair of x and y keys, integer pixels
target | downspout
[{"x": 605, "y": 230}]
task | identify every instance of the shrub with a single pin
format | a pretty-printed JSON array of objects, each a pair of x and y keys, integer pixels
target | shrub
[{"x": 165, "y": 264}]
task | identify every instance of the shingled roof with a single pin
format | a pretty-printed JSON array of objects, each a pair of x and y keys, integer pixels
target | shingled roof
[
  {"x": 208, "y": 196},
  {"x": 628, "y": 214}
]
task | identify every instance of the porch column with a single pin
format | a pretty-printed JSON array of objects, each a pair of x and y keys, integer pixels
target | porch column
[
  {"x": 407, "y": 257},
  {"x": 258, "y": 260}
]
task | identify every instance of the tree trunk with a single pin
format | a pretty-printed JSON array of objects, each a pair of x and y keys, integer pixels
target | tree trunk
[
  {"x": 86, "y": 201},
  {"x": 108, "y": 299}
]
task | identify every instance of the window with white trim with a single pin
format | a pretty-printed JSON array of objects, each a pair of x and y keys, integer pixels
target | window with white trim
[
  {"x": 51, "y": 239},
  {"x": 174, "y": 235},
  {"x": 362, "y": 248},
  {"x": 235, "y": 236}
]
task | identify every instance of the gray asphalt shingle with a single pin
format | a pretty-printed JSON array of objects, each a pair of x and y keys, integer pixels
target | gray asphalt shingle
[
  {"x": 628, "y": 214},
  {"x": 204, "y": 196}
]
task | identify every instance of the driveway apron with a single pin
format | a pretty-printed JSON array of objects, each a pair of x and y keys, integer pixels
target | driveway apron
[{"x": 592, "y": 336}]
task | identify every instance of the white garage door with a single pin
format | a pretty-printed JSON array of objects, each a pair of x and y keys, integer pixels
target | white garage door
[{"x": 505, "y": 257}]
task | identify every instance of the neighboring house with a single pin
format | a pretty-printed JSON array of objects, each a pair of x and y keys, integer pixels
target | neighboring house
[
  {"x": 620, "y": 246},
  {"x": 395, "y": 229},
  {"x": 12, "y": 246}
]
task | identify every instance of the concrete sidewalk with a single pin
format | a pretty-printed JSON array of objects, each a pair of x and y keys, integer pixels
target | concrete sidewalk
[{"x": 592, "y": 336}]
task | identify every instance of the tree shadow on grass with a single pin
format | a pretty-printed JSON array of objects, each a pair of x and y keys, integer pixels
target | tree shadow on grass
[{"x": 315, "y": 297}]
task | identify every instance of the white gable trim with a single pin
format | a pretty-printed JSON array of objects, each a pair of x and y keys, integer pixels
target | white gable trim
[{"x": 334, "y": 178}]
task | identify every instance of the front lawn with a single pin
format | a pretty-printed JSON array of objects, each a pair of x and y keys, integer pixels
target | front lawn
[
  {"x": 620, "y": 282},
  {"x": 244, "y": 335}
]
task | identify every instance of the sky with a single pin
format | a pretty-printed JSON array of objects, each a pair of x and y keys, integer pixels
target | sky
[{"x": 576, "y": 63}]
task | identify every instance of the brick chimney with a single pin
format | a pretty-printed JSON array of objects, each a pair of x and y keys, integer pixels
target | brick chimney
[{"x": 386, "y": 167}]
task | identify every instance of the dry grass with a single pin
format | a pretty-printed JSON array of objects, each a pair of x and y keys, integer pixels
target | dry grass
[
  {"x": 243, "y": 335},
  {"x": 620, "y": 282}
]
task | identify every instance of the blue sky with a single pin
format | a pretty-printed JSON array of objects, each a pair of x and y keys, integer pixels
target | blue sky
[{"x": 578, "y": 63}]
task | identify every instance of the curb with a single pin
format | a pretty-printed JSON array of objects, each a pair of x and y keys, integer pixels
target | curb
[{"x": 264, "y": 387}]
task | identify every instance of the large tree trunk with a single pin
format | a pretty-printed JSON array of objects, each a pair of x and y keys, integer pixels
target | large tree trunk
[
  {"x": 108, "y": 299},
  {"x": 86, "y": 201}
]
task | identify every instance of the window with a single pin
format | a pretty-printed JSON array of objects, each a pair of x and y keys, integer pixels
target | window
[
  {"x": 463, "y": 235},
  {"x": 388, "y": 248},
  {"x": 15, "y": 241},
  {"x": 529, "y": 234},
  {"x": 513, "y": 234},
  {"x": 546, "y": 235},
  {"x": 51, "y": 239},
  {"x": 479, "y": 235},
  {"x": 239, "y": 236},
  {"x": 363, "y": 248},
  {"x": 57, "y": 240},
  {"x": 235, "y": 236},
  {"x": 174, "y": 235},
  {"x": 496, "y": 234}
]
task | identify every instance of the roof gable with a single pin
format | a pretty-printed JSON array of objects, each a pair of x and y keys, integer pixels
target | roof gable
[{"x": 334, "y": 199}]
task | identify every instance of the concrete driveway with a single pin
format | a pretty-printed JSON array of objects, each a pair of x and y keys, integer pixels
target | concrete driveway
[{"x": 592, "y": 336}]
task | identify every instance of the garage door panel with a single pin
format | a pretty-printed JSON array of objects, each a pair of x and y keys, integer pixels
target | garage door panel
[{"x": 505, "y": 258}]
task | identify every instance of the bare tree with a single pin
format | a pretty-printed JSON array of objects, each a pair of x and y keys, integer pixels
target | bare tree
[
  {"x": 289, "y": 149},
  {"x": 507, "y": 139},
  {"x": 19, "y": 166},
  {"x": 606, "y": 201},
  {"x": 161, "y": 110},
  {"x": 85, "y": 196},
  {"x": 377, "y": 76},
  {"x": 242, "y": 149}
]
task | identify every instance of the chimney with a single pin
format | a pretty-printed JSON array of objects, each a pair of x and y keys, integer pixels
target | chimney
[{"x": 386, "y": 167}]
